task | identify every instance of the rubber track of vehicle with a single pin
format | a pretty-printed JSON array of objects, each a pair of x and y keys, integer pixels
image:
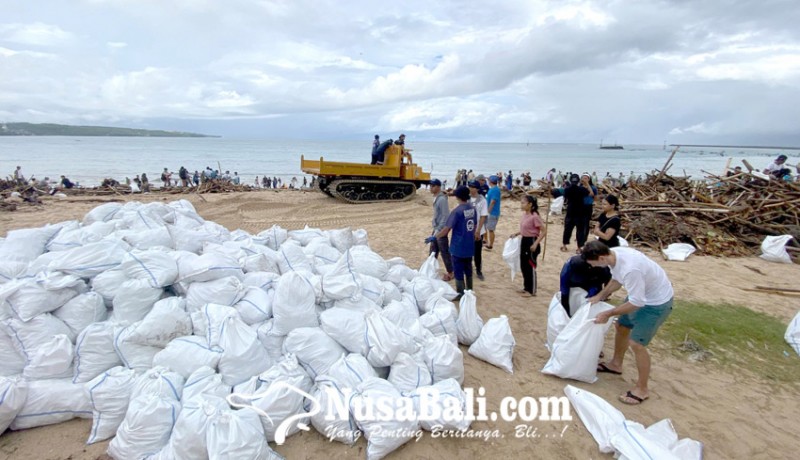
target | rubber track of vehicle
[{"x": 333, "y": 185}]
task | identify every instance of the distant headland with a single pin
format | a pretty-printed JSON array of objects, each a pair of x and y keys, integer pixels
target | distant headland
[{"x": 51, "y": 129}]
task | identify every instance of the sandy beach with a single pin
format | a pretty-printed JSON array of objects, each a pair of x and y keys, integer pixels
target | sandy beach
[{"x": 735, "y": 413}]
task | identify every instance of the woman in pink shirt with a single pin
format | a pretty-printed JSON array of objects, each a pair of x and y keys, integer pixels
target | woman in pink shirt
[{"x": 533, "y": 233}]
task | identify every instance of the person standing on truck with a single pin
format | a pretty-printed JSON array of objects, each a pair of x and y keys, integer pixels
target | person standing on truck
[{"x": 375, "y": 143}]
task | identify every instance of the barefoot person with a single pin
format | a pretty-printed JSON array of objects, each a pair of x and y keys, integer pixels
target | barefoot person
[
  {"x": 648, "y": 304},
  {"x": 533, "y": 233}
]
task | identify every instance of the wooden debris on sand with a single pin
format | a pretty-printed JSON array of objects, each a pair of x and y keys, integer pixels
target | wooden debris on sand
[{"x": 721, "y": 216}]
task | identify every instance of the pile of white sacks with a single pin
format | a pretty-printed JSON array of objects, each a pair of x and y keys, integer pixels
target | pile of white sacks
[{"x": 146, "y": 318}]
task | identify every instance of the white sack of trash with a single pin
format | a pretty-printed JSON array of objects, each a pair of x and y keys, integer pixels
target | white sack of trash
[{"x": 158, "y": 324}]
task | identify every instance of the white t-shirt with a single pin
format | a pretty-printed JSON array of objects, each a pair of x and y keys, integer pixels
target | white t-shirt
[
  {"x": 645, "y": 281},
  {"x": 483, "y": 209}
]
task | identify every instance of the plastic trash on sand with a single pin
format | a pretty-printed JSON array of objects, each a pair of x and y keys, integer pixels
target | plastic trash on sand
[
  {"x": 773, "y": 249},
  {"x": 511, "y": 255},
  {"x": 792, "y": 336},
  {"x": 678, "y": 251}
]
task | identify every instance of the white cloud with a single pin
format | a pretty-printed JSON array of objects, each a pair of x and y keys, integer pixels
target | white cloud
[
  {"x": 35, "y": 34},
  {"x": 116, "y": 45}
]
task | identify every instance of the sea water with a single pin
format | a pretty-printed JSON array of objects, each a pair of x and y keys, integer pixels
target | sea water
[{"x": 88, "y": 160}]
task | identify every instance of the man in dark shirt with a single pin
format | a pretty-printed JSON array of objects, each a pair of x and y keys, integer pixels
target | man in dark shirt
[
  {"x": 484, "y": 188},
  {"x": 463, "y": 221},
  {"x": 66, "y": 182},
  {"x": 574, "y": 196},
  {"x": 577, "y": 273}
]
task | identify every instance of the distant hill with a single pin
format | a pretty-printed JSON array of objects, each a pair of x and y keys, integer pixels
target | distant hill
[{"x": 50, "y": 129}]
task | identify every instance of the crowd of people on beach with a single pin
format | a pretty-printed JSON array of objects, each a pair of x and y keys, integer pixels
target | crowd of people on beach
[
  {"x": 141, "y": 183},
  {"x": 599, "y": 267}
]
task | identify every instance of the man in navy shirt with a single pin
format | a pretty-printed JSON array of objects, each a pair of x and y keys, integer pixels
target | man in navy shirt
[
  {"x": 577, "y": 273},
  {"x": 463, "y": 221}
]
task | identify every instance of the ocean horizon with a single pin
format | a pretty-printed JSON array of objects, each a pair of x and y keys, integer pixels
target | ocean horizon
[{"x": 88, "y": 160}]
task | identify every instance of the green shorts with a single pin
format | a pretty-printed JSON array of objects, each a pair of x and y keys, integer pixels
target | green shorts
[{"x": 645, "y": 321}]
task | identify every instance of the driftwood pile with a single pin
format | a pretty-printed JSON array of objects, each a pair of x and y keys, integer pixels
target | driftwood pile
[{"x": 720, "y": 216}]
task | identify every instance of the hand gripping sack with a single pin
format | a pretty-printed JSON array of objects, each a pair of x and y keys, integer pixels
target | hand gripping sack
[
  {"x": 576, "y": 348},
  {"x": 383, "y": 437},
  {"x": 469, "y": 323},
  {"x": 109, "y": 394},
  {"x": 315, "y": 350},
  {"x": 146, "y": 427},
  {"x": 13, "y": 393},
  {"x": 496, "y": 344},
  {"x": 511, "y": 255}
]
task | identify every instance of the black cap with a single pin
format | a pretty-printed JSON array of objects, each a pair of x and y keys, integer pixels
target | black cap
[
  {"x": 462, "y": 193},
  {"x": 436, "y": 182},
  {"x": 474, "y": 184}
]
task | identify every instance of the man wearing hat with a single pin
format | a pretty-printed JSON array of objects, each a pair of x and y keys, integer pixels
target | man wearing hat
[
  {"x": 441, "y": 210},
  {"x": 574, "y": 195},
  {"x": 493, "y": 202},
  {"x": 463, "y": 222},
  {"x": 484, "y": 187},
  {"x": 479, "y": 202}
]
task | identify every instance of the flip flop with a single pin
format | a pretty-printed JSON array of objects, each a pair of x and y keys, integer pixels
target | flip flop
[
  {"x": 603, "y": 368},
  {"x": 631, "y": 399},
  {"x": 564, "y": 249}
]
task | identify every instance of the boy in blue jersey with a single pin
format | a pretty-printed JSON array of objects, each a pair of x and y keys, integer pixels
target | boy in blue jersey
[{"x": 463, "y": 221}]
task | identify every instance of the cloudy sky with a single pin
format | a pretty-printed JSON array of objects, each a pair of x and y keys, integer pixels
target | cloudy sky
[{"x": 642, "y": 71}]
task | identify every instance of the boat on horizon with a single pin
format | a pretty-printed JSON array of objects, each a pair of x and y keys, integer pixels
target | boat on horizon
[{"x": 610, "y": 147}]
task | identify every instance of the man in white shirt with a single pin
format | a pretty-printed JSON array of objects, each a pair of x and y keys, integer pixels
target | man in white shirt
[
  {"x": 648, "y": 304},
  {"x": 778, "y": 168},
  {"x": 479, "y": 202}
]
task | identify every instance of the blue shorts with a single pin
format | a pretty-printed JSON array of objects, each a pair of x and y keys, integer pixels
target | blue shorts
[{"x": 645, "y": 321}]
